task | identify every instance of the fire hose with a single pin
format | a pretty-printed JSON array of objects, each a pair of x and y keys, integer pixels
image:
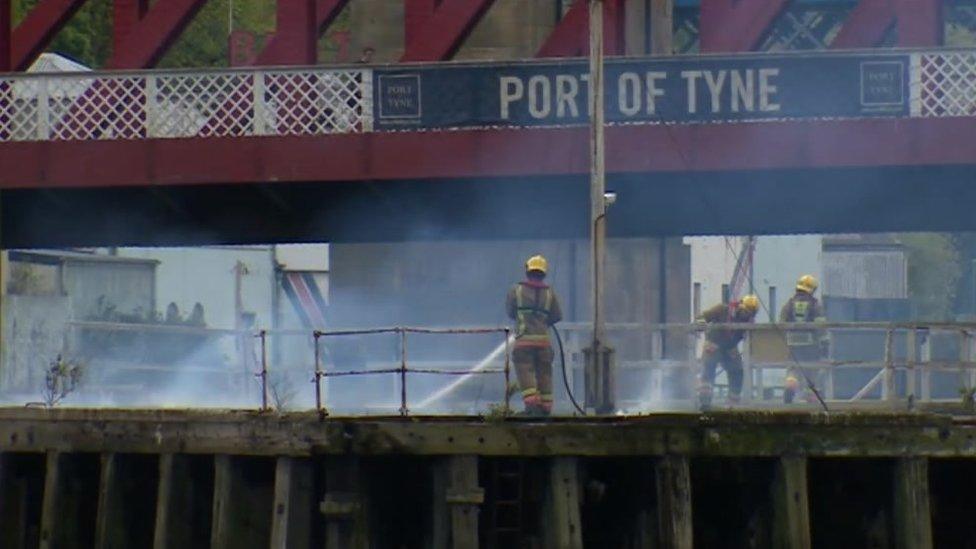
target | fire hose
[{"x": 562, "y": 361}]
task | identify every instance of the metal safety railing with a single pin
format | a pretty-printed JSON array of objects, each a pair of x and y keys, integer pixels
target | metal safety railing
[
  {"x": 402, "y": 370},
  {"x": 880, "y": 361},
  {"x": 657, "y": 363},
  {"x": 134, "y": 357},
  {"x": 191, "y": 103}
]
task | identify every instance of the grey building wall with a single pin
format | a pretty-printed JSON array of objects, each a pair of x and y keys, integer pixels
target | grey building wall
[
  {"x": 33, "y": 332},
  {"x": 130, "y": 287}
]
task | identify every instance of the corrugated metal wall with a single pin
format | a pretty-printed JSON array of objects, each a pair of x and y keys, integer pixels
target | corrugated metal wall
[
  {"x": 130, "y": 287},
  {"x": 865, "y": 274}
]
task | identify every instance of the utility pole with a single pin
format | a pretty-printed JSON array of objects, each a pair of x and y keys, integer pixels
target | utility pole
[{"x": 599, "y": 357}]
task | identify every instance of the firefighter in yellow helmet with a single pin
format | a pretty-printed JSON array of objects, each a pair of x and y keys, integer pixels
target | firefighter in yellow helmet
[
  {"x": 722, "y": 347},
  {"x": 534, "y": 307},
  {"x": 805, "y": 345}
]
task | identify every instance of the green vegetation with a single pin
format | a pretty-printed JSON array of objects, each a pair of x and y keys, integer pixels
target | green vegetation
[
  {"x": 62, "y": 377},
  {"x": 87, "y": 38}
]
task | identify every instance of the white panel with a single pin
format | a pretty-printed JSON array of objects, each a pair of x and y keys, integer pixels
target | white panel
[{"x": 303, "y": 257}]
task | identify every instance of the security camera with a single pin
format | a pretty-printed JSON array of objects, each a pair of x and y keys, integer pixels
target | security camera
[{"x": 609, "y": 198}]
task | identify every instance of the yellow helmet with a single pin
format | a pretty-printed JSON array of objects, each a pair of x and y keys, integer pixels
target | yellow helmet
[
  {"x": 537, "y": 263},
  {"x": 807, "y": 283},
  {"x": 749, "y": 303}
]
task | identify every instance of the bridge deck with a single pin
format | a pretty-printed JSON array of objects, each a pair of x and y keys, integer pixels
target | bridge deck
[{"x": 452, "y": 150}]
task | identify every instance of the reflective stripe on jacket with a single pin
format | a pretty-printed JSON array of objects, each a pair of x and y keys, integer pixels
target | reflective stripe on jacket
[
  {"x": 534, "y": 307},
  {"x": 803, "y": 307}
]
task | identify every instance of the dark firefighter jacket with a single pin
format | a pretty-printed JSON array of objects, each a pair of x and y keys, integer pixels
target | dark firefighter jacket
[
  {"x": 725, "y": 338},
  {"x": 534, "y": 307},
  {"x": 802, "y": 307}
]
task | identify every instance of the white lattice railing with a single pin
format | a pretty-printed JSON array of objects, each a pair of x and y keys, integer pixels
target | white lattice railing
[
  {"x": 943, "y": 84},
  {"x": 238, "y": 103},
  {"x": 185, "y": 104}
]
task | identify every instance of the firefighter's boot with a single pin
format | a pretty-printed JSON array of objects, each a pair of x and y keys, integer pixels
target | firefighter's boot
[
  {"x": 705, "y": 397},
  {"x": 790, "y": 388}
]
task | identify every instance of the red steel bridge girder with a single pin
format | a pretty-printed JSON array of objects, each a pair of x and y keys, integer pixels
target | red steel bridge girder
[
  {"x": 126, "y": 15},
  {"x": 326, "y": 12},
  {"x": 918, "y": 23},
  {"x": 728, "y": 26},
  {"x": 570, "y": 38},
  {"x": 36, "y": 31},
  {"x": 736, "y": 26},
  {"x": 295, "y": 37},
  {"x": 488, "y": 153},
  {"x": 5, "y": 23},
  {"x": 152, "y": 36},
  {"x": 434, "y": 30}
]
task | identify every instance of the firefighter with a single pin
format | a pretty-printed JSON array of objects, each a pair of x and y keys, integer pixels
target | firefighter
[
  {"x": 534, "y": 307},
  {"x": 804, "y": 345},
  {"x": 722, "y": 347}
]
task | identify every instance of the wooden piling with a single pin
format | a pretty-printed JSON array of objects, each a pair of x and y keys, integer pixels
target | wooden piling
[
  {"x": 52, "y": 497},
  {"x": 563, "y": 527},
  {"x": 12, "y": 507},
  {"x": 184, "y": 501},
  {"x": 913, "y": 519},
  {"x": 239, "y": 518},
  {"x": 791, "y": 508},
  {"x": 292, "y": 521},
  {"x": 344, "y": 504},
  {"x": 110, "y": 522},
  {"x": 674, "y": 503},
  {"x": 464, "y": 498}
]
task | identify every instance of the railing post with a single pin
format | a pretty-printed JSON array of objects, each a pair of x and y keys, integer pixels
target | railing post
[
  {"x": 43, "y": 110},
  {"x": 829, "y": 381},
  {"x": 257, "y": 83},
  {"x": 657, "y": 366},
  {"x": 318, "y": 373},
  {"x": 508, "y": 374},
  {"x": 911, "y": 351},
  {"x": 152, "y": 109},
  {"x": 403, "y": 371},
  {"x": 965, "y": 371},
  {"x": 366, "y": 89},
  {"x": 888, "y": 383},
  {"x": 915, "y": 85},
  {"x": 967, "y": 357},
  {"x": 264, "y": 370},
  {"x": 746, "y": 395},
  {"x": 926, "y": 372}
]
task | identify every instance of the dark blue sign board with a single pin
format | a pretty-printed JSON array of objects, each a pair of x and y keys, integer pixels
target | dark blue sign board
[{"x": 681, "y": 90}]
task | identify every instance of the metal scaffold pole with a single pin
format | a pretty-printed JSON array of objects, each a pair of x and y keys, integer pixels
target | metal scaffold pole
[{"x": 599, "y": 374}]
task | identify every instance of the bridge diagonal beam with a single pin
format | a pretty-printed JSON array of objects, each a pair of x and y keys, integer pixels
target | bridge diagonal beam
[
  {"x": 5, "y": 22},
  {"x": 326, "y": 12},
  {"x": 296, "y": 34},
  {"x": 434, "y": 32},
  {"x": 570, "y": 38},
  {"x": 126, "y": 15},
  {"x": 727, "y": 26},
  {"x": 148, "y": 40},
  {"x": 918, "y": 22},
  {"x": 36, "y": 31}
]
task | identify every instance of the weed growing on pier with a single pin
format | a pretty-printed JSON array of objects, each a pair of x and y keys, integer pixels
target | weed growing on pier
[{"x": 62, "y": 377}]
